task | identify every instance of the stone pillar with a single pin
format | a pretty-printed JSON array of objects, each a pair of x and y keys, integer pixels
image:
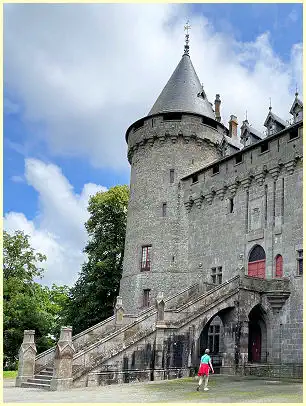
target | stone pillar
[
  {"x": 119, "y": 312},
  {"x": 27, "y": 354},
  {"x": 160, "y": 305},
  {"x": 159, "y": 368},
  {"x": 158, "y": 372},
  {"x": 62, "y": 375},
  {"x": 241, "y": 345}
]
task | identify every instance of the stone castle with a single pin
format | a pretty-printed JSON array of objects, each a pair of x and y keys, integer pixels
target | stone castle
[{"x": 213, "y": 255}]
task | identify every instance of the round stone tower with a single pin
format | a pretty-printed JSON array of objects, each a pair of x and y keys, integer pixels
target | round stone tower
[{"x": 179, "y": 135}]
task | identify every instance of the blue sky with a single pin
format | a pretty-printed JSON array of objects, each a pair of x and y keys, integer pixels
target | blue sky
[{"x": 56, "y": 81}]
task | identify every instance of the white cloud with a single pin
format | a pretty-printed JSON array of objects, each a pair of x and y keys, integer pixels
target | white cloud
[
  {"x": 17, "y": 179},
  {"x": 88, "y": 71},
  {"x": 58, "y": 231}
]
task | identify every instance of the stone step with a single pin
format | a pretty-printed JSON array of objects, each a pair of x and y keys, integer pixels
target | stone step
[
  {"x": 38, "y": 381},
  {"x": 43, "y": 377},
  {"x": 35, "y": 385},
  {"x": 46, "y": 373}
]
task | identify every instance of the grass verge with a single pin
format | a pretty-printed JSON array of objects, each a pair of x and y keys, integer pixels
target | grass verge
[{"x": 9, "y": 374}]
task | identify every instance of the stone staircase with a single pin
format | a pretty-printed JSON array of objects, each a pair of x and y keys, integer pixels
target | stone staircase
[
  {"x": 103, "y": 346},
  {"x": 40, "y": 381}
]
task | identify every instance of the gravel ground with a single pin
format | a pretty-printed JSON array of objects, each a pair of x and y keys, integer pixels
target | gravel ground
[{"x": 223, "y": 389}]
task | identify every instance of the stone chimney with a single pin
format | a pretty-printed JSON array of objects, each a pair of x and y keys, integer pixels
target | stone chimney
[
  {"x": 233, "y": 126},
  {"x": 217, "y": 108}
]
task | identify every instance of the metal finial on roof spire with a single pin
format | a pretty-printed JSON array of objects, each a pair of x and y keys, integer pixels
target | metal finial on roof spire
[
  {"x": 270, "y": 107},
  {"x": 296, "y": 90},
  {"x": 186, "y": 47},
  {"x": 246, "y": 115}
]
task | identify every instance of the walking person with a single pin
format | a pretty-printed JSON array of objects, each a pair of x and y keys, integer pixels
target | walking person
[{"x": 204, "y": 370}]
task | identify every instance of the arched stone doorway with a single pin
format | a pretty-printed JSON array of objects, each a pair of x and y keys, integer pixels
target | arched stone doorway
[
  {"x": 211, "y": 337},
  {"x": 257, "y": 349},
  {"x": 257, "y": 262}
]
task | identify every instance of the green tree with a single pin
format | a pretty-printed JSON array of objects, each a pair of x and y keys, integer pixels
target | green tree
[
  {"x": 94, "y": 294},
  {"x": 27, "y": 304}
]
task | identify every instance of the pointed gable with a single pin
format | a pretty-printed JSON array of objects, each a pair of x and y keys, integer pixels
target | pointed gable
[
  {"x": 297, "y": 109},
  {"x": 183, "y": 92}
]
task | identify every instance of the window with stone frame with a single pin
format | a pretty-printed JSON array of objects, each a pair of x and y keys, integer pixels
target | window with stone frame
[
  {"x": 146, "y": 298},
  {"x": 214, "y": 338},
  {"x": 300, "y": 262},
  {"x": 216, "y": 275},
  {"x": 145, "y": 264},
  {"x": 171, "y": 175}
]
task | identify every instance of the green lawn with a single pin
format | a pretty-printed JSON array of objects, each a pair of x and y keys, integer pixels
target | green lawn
[{"x": 9, "y": 374}]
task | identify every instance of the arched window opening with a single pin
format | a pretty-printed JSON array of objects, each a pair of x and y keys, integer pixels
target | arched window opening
[
  {"x": 279, "y": 266},
  {"x": 257, "y": 262}
]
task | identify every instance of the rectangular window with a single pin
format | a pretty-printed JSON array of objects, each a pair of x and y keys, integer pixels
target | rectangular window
[
  {"x": 219, "y": 275},
  {"x": 213, "y": 275},
  {"x": 164, "y": 209},
  {"x": 146, "y": 297},
  {"x": 215, "y": 169},
  {"x": 172, "y": 116},
  {"x": 293, "y": 134},
  {"x": 195, "y": 178},
  {"x": 171, "y": 175},
  {"x": 283, "y": 200},
  {"x": 300, "y": 262},
  {"x": 264, "y": 147},
  {"x": 216, "y": 275},
  {"x": 146, "y": 258},
  {"x": 138, "y": 125},
  {"x": 238, "y": 158},
  {"x": 231, "y": 205},
  {"x": 266, "y": 205}
]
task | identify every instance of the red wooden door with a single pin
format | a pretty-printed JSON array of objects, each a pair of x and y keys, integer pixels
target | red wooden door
[
  {"x": 256, "y": 345},
  {"x": 279, "y": 266},
  {"x": 257, "y": 269}
]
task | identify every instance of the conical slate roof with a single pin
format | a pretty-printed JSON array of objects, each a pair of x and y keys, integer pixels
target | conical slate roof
[{"x": 183, "y": 92}]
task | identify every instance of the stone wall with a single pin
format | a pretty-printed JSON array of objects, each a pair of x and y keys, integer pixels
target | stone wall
[
  {"x": 266, "y": 188},
  {"x": 183, "y": 146}
]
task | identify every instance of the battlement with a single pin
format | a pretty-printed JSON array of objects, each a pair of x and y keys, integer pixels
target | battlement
[
  {"x": 170, "y": 127},
  {"x": 279, "y": 152}
]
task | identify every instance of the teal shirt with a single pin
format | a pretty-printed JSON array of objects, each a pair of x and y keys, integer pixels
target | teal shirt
[{"x": 205, "y": 359}]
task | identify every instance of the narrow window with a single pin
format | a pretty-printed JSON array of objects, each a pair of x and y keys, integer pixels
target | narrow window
[
  {"x": 215, "y": 169},
  {"x": 274, "y": 198},
  {"x": 251, "y": 158},
  {"x": 173, "y": 258},
  {"x": 247, "y": 213},
  {"x": 164, "y": 209},
  {"x": 195, "y": 178},
  {"x": 231, "y": 205},
  {"x": 146, "y": 297},
  {"x": 238, "y": 158},
  {"x": 266, "y": 204},
  {"x": 278, "y": 144},
  {"x": 146, "y": 258},
  {"x": 219, "y": 275},
  {"x": 264, "y": 147},
  {"x": 300, "y": 262},
  {"x": 171, "y": 175},
  {"x": 152, "y": 122},
  {"x": 214, "y": 275},
  {"x": 283, "y": 200}
]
